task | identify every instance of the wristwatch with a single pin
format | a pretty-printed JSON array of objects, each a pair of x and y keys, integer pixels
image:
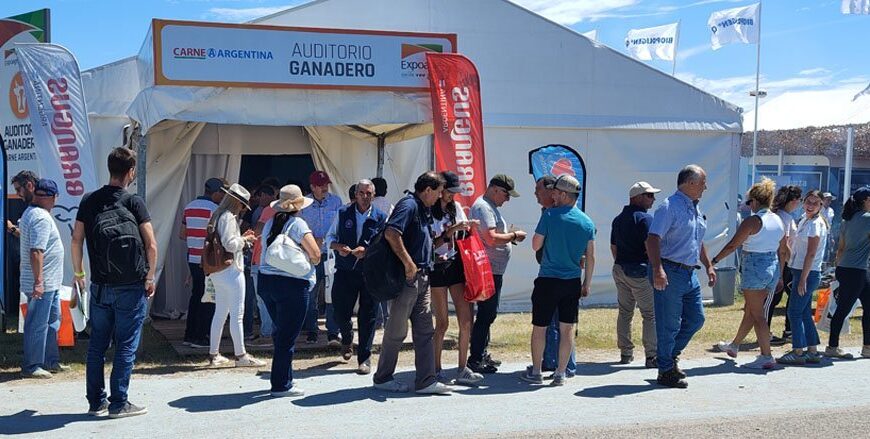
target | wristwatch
[{"x": 714, "y": 260}]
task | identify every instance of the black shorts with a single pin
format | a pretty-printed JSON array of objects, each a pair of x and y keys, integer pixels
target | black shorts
[
  {"x": 447, "y": 273},
  {"x": 551, "y": 294}
]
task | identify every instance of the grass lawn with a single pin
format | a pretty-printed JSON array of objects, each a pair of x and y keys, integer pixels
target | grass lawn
[{"x": 510, "y": 341}]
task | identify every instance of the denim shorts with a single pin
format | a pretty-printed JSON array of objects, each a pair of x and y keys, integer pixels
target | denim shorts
[{"x": 759, "y": 271}]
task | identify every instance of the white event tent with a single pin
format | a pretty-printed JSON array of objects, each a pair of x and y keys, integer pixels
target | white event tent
[{"x": 541, "y": 84}]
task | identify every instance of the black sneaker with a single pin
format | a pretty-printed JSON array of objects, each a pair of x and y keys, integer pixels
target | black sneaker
[
  {"x": 482, "y": 367},
  {"x": 127, "y": 411},
  {"x": 672, "y": 379},
  {"x": 777, "y": 341},
  {"x": 312, "y": 338},
  {"x": 99, "y": 410},
  {"x": 677, "y": 369},
  {"x": 652, "y": 363},
  {"x": 491, "y": 361},
  {"x": 626, "y": 359},
  {"x": 333, "y": 341}
]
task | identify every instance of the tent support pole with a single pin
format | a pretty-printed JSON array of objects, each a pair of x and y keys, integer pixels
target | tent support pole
[
  {"x": 382, "y": 146},
  {"x": 140, "y": 144},
  {"x": 847, "y": 174}
]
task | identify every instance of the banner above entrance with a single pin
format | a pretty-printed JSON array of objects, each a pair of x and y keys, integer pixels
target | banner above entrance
[{"x": 242, "y": 55}]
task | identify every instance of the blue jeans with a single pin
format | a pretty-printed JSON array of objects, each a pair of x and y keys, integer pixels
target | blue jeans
[
  {"x": 486, "y": 313},
  {"x": 679, "y": 314},
  {"x": 117, "y": 313},
  {"x": 286, "y": 300},
  {"x": 803, "y": 327},
  {"x": 551, "y": 349},
  {"x": 265, "y": 320},
  {"x": 310, "y": 324},
  {"x": 40, "y": 332}
]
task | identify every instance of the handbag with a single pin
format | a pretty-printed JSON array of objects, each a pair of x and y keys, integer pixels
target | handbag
[
  {"x": 215, "y": 257},
  {"x": 286, "y": 255},
  {"x": 479, "y": 281}
]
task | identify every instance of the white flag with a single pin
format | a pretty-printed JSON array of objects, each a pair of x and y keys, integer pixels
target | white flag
[
  {"x": 738, "y": 25},
  {"x": 592, "y": 35},
  {"x": 855, "y": 7},
  {"x": 864, "y": 92},
  {"x": 653, "y": 42},
  {"x": 61, "y": 134}
]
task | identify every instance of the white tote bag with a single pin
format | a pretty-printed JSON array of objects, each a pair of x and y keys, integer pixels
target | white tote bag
[{"x": 286, "y": 255}]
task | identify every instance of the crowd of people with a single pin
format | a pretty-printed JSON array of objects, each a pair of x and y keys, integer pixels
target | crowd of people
[{"x": 234, "y": 239}]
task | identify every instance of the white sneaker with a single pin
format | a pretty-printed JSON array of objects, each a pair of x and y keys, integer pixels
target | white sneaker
[
  {"x": 393, "y": 386},
  {"x": 761, "y": 362},
  {"x": 727, "y": 348},
  {"x": 435, "y": 388},
  {"x": 248, "y": 361},
  {"x": 39, "y": 373},
  {"x": 467, "y": 377},
  {"x": 293, "y": 391},
  {"x": 218, "y": 360}
]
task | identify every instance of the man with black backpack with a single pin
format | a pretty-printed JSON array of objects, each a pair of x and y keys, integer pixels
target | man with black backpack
[
  {"x": 123, "y": 260},
  {"x": 409, "y": 234}
]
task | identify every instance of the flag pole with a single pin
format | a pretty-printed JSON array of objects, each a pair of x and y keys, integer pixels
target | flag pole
[
  {"x": 676, "y": 48},
  {"x": 757, "y": 79}
]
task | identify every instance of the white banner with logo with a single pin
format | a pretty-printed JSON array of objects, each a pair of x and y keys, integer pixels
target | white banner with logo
[
  {"x": 239, "y": 55},
  {"x": 738, "y": 25},
  {"x": 653, "y": 42},
  {"x": 855, "y": 7},
  {"x": 62, "y": 137}
]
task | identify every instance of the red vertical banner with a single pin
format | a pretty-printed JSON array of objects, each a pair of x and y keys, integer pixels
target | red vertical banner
[{"x": 458, "y": 122}]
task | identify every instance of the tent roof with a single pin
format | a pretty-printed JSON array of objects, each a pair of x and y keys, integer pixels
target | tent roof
[
  {"x": 545, "y": 75},
  {"x": 815, "y": 108}
]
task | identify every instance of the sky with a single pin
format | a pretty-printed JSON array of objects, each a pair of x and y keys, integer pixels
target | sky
[{"x": 805, "y": 44}]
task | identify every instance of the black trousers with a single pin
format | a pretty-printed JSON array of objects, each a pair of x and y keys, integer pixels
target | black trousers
[
  {"x": 346, "y": 289},
  {"x": 777, "y": 297},
  {"x": 853, "y": 286},
  {"x": 486, "y": 314},
  {"x": 199, "y": 315}
]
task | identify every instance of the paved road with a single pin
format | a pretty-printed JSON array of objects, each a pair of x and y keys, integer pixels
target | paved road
[{"x": 605, "y": 400}]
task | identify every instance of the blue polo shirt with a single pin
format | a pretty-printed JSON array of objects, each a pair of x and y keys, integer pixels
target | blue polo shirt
[
  {"x": 681, "y": 226},
  {"x": 628, "y": 233},
  {"x": 412, "y": 220},
  {"x": 567, "y": 232}
]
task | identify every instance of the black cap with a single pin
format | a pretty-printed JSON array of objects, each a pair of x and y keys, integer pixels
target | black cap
[{"x": 451, "y": 182}]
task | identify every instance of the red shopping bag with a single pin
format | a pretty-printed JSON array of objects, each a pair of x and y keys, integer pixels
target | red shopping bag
[{"x": 479, "y": 283}]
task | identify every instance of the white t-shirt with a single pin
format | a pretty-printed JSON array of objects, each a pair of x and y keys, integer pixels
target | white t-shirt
[
  {"x": 439, "y": 226},
  {"x": 805, "y": 230},
  {"x": 829, "y": 214},
  {"x": 788, "y": 222}
]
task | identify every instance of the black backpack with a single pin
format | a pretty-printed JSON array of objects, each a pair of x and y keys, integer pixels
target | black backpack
[
  {"x": 383, "y": 272},
  {"x": 117, "y": 245}
]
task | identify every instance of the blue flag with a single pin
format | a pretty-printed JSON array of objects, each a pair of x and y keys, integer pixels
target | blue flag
[{"x": 557, "y": 160}]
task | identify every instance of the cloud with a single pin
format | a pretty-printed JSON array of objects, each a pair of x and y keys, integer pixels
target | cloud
[
  {"x": 572, "y": 12},
  {"x": 692, "y": 5},
  {"x": 815, "y": 71},
  {"x": 735, "y": 89},
  {"x": 239, "y": 15},
  {"x": 684, "y": 54}
]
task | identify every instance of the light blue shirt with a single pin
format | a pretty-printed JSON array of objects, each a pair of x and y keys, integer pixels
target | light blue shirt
[
  {"x": 361, "y": 218},
  {"x": 320, "y": 215},
  {"x": 39, "y": 232},
  {"x": 296, "y": 228},
  {"x": 681, "y": 227}
]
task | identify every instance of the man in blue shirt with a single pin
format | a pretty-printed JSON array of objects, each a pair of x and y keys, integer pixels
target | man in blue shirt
[
  {"x": 567, "y": 235},
  {"x": 675, "y": 246},
  {"x": 628, "y": 235},
  {"x": 409, "y": 234},
  {"x": 351, "y": 232},
  {"x": 319, "y": 216}
]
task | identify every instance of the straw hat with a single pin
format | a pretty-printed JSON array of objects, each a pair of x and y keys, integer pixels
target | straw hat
[
  {"x": 291, "y": 200},
  {"x": 239, "y": 192}
]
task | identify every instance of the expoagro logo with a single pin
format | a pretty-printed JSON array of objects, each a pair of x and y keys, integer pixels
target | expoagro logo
[{"x": 412, "y": 61}]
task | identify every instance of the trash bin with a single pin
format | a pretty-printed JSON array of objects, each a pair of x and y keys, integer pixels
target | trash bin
[{"x": 726, "y": 286}]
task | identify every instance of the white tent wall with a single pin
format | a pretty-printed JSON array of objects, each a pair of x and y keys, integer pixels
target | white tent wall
[{"x": 614, "y": 160}]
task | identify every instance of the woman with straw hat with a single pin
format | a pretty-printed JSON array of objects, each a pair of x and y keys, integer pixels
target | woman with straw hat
[
  {"x": 229, "y": 283},
  {"x": 286, "y": 296}
]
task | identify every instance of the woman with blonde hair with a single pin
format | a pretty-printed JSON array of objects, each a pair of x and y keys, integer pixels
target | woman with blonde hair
[
  {"x": 286, "y": 295},
  {"x": 808, "y": 249},
  {"x": 765, "y": 250},
  {"x": 229, "y": 283}
]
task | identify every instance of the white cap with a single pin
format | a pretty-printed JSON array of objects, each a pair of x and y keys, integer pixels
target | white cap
[{"x": 640, "y": 188}]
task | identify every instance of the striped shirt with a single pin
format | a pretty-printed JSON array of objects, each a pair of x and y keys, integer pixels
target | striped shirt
[
  {"x": 320, "y": 215},
  {"x": 195, "y": 221},
  {"x": 39, "y": 232}
]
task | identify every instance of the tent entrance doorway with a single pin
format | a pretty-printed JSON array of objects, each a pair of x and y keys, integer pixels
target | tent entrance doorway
[{"x": 288, "y": 169}]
